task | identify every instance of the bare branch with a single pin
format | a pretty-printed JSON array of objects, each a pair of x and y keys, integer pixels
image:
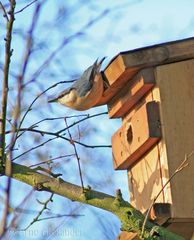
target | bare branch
[
  {"x": 21, "y": 77},
  {"x": 31, "y": 128},
  {"x": 57, "y": 136},
  {"x": 28, "y": 5},
  {"x": 51, "y": 160},
  {"x": 60, "y": 216},
  {"x": 64, "y": 43},
  {"x": 30, "y": 106},
  {"x": 17, "y": 211},
  {"x": 45, "y": 207},
  {"x": 76, "y": 154},
  {"x": 6, "y": 162},
  {"x": 5, "y": 87},
  {"x": 29, "y": 43},
  {"x": 81, "y": 120},
  {"x": 4, "y": 11},
  {"x": 33, "y": 148}
]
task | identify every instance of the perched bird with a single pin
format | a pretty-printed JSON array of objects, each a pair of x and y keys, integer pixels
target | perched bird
[{"x": 85, "y": 92}]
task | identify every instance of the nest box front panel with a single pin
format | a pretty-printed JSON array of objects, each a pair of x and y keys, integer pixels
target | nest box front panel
[{"x": 136, "y": 136}]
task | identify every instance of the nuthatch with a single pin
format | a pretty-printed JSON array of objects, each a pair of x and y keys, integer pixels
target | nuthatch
[{"x": 85, "y": 92}]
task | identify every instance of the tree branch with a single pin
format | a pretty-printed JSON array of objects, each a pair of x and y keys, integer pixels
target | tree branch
[
  {"x": 64, "y": 42},
  {"x": 6, "y": 162},
  {"x": 76, "y": 154},
  {"x": 131, "y": 218},
  {"x": 28, "y": 5},
  {"x": 37, "y": 218},
  {"x": 4, "y": 11},
  {"x": 5, "y": 87}
]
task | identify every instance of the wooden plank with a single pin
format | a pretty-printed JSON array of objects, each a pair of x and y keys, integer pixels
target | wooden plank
[
  {"x": 134, "y": 90},
  {"x": 176, "y": 85},
  {"x": 124, "y": 66},
  {"x": 136, "y": 136},
  {"x": 123, "y": 76}
]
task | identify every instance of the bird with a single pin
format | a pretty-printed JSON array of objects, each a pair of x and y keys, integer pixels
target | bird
[{"x": 86, "y": 91}]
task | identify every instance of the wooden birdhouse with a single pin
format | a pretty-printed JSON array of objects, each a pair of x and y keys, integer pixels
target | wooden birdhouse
[{"x": 152, "y": 90}]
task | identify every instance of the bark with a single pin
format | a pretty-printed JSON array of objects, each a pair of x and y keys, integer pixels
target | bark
[{"x": 130, "y": 218}]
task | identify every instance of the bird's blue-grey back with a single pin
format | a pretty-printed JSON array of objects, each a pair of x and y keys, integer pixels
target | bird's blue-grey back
[{"x": 84, "y": 84}]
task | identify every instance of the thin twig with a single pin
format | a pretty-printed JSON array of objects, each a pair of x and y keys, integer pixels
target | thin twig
[
  {"x": 21, "y": 75},
  {"x": 31, "y": 128},
  {"x": 183, "y": 164},
  {"x": 48, "y": 171},
  {"x": 75, "y": 210},
  {"x": 45, "y": 204},
  {"x": 76, "y": 154},
  {"x": 18, "y": 211},
  {"x": 24, "y": 64},
  {"x": 4, "y": 11},
  {"x": 51, "y": 160},
  {"x": 28, "y": 47},
  {"x": 59, "y": 118},
  {"x": 32, "y": 103},
  {"x": 64, "y": 42},
  {"x": 62, "y": 137},
  {"x": 28, "y": 5},
  {"x": 33, "y": 148},
  {"x": 81, "y": 120},
  {"x": 60, "y": 216}
]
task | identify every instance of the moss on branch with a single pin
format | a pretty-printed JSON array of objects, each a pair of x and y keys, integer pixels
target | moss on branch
[{"x": 130, "y": 218}]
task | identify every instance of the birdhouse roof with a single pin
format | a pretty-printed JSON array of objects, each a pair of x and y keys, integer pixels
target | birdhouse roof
[{"x": 126, "y": 64}]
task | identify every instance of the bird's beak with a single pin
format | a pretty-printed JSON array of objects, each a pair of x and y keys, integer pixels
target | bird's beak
[{"x": 53, "y": 100}]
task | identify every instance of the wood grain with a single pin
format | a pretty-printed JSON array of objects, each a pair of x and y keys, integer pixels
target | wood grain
[
  {"x": 136, "y": 136},
  {"x": 176, "y": 84}
]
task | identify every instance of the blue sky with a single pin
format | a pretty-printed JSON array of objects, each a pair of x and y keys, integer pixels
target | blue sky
[{"x": 134, "y": 24}]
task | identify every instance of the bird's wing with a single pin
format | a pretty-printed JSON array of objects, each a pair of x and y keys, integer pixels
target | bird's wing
[
  {"x": 88, "y": 73},
  {"x": 85, "y": 83},
  {"x": 82, "y": 87}
]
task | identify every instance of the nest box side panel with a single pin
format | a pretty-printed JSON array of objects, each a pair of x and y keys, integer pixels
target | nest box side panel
[{"x": 176, "y": 86}]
